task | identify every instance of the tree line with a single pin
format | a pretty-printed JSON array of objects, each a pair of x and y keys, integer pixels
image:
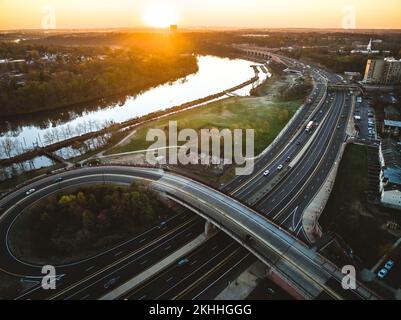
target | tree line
[
  {"x": 89, "y": 219},
  {"x": 60, "y": 83}
]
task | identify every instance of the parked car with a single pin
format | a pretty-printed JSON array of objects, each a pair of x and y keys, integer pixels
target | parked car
[
  {"x": 389, "y": 265},
  {"x": 382, "y": 273}
]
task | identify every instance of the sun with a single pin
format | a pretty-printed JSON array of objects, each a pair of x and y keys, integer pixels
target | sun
[{"x": 160, "y": 15}]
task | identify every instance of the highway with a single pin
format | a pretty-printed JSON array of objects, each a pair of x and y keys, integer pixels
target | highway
[
  {"x": 289, "y": 145},
  {"x": 302, "y": 267},
  {"x": 191, "y": 281},
  {"x": 329, "y": 137},
  {"x": 310, "y": 172},
  {"x": 148, "y": 247},
  {"x": 297, "y": 196}
]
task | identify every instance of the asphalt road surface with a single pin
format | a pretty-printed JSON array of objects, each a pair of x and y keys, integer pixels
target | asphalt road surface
[{"x": 293, "y": 193}]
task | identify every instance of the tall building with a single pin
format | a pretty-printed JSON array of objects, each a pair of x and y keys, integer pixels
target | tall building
[
  {"x": 374, "y": 71},
  {"x": 392, "y": 71},
  {"x": 384, "y": 72}
]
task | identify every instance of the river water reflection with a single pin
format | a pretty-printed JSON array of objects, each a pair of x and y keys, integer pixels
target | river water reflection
[{"x": 215, "y": 75}]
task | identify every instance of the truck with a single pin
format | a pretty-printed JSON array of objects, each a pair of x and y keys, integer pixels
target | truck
[{"x": 311, "y": 125}]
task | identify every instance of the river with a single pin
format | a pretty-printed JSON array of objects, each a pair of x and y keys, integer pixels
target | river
[{"x": 214, "y": 75}]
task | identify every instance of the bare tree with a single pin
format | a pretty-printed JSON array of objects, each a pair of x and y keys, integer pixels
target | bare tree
[
  {"x": 7, "y": 146},
  {"x": 48, "y": 138}
]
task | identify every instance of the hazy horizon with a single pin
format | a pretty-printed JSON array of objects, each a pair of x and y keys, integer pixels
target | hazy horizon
[
  {"x": 195, "y": 28},
  {"x": 238, "y": 14}
]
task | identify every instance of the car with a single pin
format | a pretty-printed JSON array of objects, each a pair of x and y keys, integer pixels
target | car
[
  {"x": 288, "y": 159},
  {"x": 266, "y": 173},
  {"x": 389, "y": 265},
  {"x": 58, "y": 180},
  {"x": 280, "y": 167},
  {"x": 183, "y": 262},
  {"x": 338, "y": 127},
  {"x": 382, "y": 273},
  {"x": 270, "y": 291},
  {"x": 249, "y": 239},
  {"x": 111, "y": 282},
  {"x": 162, "y": 224},
  {"x": 30, "y": 191}
]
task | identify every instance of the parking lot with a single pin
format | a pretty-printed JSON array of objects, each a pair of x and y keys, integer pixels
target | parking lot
[
  {"x": 391, "y": 275},
  {"x": 365, "y": 121}
]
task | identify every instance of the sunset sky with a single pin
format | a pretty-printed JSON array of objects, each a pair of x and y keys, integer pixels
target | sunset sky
[{"x": 21, "y": 14}]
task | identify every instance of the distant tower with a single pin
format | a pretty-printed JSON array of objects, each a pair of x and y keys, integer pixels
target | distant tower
[
  {"x": 173, "y": 28},
  {"x": 369, "y": 47}
]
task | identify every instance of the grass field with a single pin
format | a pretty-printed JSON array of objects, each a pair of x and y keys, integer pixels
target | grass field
[
  {"x": 347, "y": 212},
  {"x": 264, "y": 111},
  {"x": 266, "y": 116}
]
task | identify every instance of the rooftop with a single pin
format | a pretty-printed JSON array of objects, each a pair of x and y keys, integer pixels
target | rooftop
[
  {"x": 392, "y": 123},
  {"x": 393, "y": 175},
  {"x": 391, "y": 59}
]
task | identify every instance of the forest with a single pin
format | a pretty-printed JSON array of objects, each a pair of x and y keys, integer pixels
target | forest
[
  {"x": 87, "y": 219},
  {"x": 71, "y": 76}
]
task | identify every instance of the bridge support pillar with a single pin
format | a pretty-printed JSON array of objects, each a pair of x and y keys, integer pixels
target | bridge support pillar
[
  {"x": 209, "y": 228},
  {"x": 277, "y": 279}
]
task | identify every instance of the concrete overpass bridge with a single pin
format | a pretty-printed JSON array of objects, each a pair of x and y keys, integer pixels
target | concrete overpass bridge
[
  {"x": 300, "y": 270},
  {"x": 347, "y": 87},
  {"x": 297, "y": 268},
  {"x": 264, "y": 54}
]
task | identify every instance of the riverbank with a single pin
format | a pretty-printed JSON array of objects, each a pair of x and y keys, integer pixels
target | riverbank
[
  {"x": 267, "y": 115},
  {"x": 60, "y": 84},
  {"x": 116, "y": 127}
]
